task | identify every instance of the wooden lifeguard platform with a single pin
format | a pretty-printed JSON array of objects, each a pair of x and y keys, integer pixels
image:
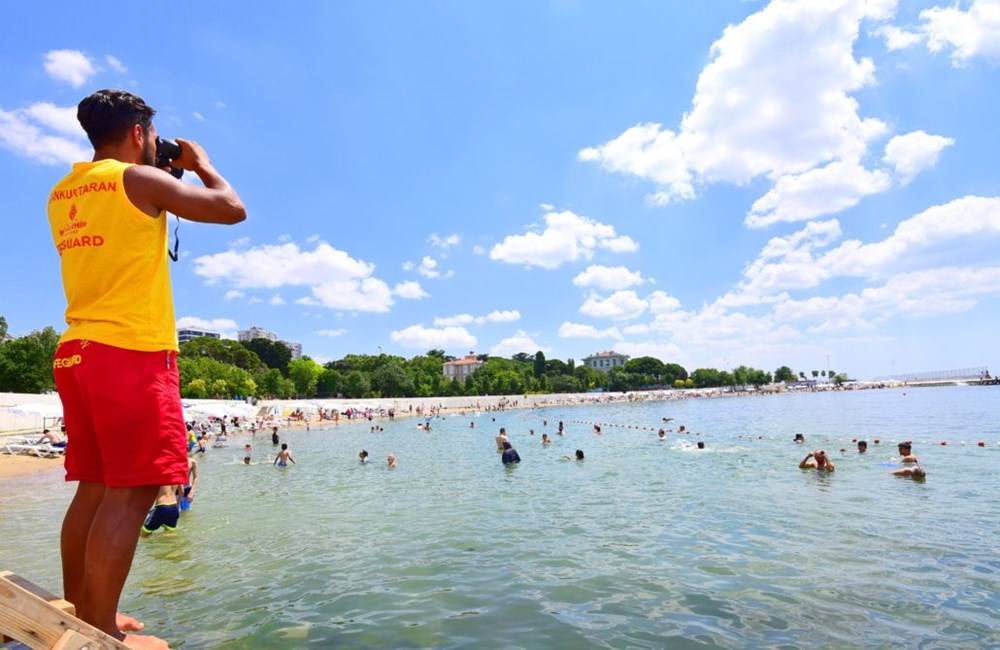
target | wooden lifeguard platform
[{"x": 31, "y": 617}]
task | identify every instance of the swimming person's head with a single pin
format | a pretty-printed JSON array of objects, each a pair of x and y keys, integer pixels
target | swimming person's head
[
  {"x": 284, "y": 446},
  {"x": 503, "y": 431},
  {"x": 701, "y": 445},
  {"x": 799, "y": 438},
  {"x": 862, "y": 446},
  {"x": 579, "y": 454},
  {"x": 905, "y": 447}
]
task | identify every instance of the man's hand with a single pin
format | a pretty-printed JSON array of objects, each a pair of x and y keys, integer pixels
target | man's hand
[{"x": 193, "y": 156}]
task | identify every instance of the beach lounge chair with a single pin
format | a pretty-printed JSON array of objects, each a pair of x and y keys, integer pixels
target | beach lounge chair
[
  {"x": 41, "y": 451},
  {"x": 37, "y": 619}
]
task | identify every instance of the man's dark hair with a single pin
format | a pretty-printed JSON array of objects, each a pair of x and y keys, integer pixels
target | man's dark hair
[
  {"x": 107, "y": 115},
  {"x": 284, "y": 446}
]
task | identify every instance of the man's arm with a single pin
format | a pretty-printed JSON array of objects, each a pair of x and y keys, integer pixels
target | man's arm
[
  {"x": 152, "y": 191},
  {"x": 805, "y": 462}
]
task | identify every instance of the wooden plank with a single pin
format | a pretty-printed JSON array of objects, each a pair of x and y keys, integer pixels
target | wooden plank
[
  {"x": 42, "y": 593},
  {"x": 72, "y": 640},
  {"x": 37, "y": 624}
]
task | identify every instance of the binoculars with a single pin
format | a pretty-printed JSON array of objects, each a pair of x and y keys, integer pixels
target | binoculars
[{"x": 166, "y": 152}]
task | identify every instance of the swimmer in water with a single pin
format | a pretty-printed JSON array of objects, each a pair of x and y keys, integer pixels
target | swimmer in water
[
  {"x": 284, "y": 456},
  {"x": 546, "y": 440},
  {"x": 701, "y": 445},
  {"x": 817, "y": 460},
  {"x": 274, "y": 436},
  {"x": 560, "y": 431},
  {"x": 472, "y": 425},
  {"x": 906, "y": 453},
  {"x": 916, "y": 472},
  {"x": 247, "y": 453},
  {"x": 579, "y": 455},
  {"x": 501, "y": 439},
  {"x": 862, "y": 446},
  {"x": 682, "y": 429},
  {"x": 799, "y": 439},
  {"x": 662, "y": 435},
  {"x": 510, "y": 455},
  {"x": 390, "y": 461},
  {"x": 165, "y": 512},
  {"x": 363, "y": 456}
]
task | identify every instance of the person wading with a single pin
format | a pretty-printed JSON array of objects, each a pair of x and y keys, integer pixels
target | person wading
[{"x": 116, "y": 364}]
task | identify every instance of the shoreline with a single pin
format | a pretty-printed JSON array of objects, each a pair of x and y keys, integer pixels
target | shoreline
[{"x": 12, "y": 467}]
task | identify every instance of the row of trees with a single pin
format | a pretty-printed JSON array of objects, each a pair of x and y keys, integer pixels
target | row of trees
[{"x": 222, "y": 368}]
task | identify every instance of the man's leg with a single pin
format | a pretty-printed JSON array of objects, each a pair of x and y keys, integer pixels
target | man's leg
[
  {"x": 109, "y": 550},
  {"x": 73, "y": 541}
]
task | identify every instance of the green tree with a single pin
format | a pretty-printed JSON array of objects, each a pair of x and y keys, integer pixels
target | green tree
[
  {"x": 815, "y": 373},
  {"x": 3, "y": 329},
  {"x": 540, "y": 365},
  {"x": 784, "y": 373},
  {"x": 274, "y": 354},
  {"x": 329, "y": 382},
  {"x": 26, "y": 362},
  {"x": 270, "y": 383},
  {"x": 678, "y": 383},
  {"x": 196, "y": 389},
  {"x": 356, "y": 384},
  {"x": 674, "y": 371},
  {"x": 304, "y": 373},
  {"x": 391, "y": 380},
  {"x": 645, "y": 366}
]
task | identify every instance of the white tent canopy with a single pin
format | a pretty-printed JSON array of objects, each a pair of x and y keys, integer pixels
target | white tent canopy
[
  {"x": 37, "y": 409},
  {"x": 218, "y": 410}
]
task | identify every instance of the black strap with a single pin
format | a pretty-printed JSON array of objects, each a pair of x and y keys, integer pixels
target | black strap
[{"x": 177, "y": 241}]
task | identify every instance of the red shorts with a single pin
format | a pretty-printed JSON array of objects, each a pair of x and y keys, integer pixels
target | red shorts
[{"x": 122, "y": 409}]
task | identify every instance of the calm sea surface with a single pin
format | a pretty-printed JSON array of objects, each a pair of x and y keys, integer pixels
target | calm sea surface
[{"x": 644, "y": 544}]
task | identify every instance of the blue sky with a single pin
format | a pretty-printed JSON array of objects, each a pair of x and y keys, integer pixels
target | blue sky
[{"x": 711, "y": 183}]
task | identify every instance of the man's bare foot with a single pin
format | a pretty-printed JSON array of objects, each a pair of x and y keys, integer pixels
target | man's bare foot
[
  {"x": 127, "y": 623},
  {"x": 145, "y": 642}
]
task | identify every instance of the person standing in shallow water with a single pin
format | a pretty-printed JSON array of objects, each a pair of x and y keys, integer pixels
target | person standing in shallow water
[
  {"x": 510, "y": 455},
  {"x": 817, "y": 460},
  {"x": 115, "y": 366}
]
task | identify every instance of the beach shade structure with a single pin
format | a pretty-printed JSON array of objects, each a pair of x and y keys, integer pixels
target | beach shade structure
[
  {"x": 37, "y": 619},
  {"x": 218, "y": 410},
  {"x": 37, "y": 409}
]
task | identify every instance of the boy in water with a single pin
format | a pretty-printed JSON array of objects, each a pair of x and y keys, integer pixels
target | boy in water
[
  {"x": 247, "y": 453},
  {"x": 501, "y": 439},
  {"x": 363, "y": 456},
  {"x": 391, "y": 461},
  {"x": 817, "y": 460},
  {"x": 165, "y": 512},
  {"x": 274, "y": 436},
  {"x": 284, "y": 456}
]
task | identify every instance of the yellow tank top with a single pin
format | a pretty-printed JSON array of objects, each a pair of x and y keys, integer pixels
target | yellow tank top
[{"x": 114, "y": 261}]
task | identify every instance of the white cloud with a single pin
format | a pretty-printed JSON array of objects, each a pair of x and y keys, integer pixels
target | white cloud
[
  {"x": 198, "y": 116},
  {"x": 276, "y": 299},
  {"x": 410, "y": 290},
  {"x": 478, "y": 250},
  {"x": 640, "y": 328},
  {"x": 970, "y": 33},
  {"x": 567, "y": 237},
  {"x": 444, "y": 242},
  {"x": 791, "y": 263},
  {"x": 495, "y": 316},
  {"x": 428, "y": 268},
  {"x": 547, "y": 207},
  {"x": 233, "y": 294},
  {"x": 660, "y": 302},
  {"x": 61, "y": 119},
  {"x": 581, "y": 331},
  {"x": 115, "y": 64},
  {"x": 521, "y": 341},
  {"x": 225, "y": 326},
  {"x": 336, "y": 279},
  {"x": 914, "y": 152},
  {"x": 408, "y": 266},
  {"x": 22, "y": 133},
  {"x": 425, "y": 338},
  {"x": 767, "y": 105},
  {"x": 332, "y": 333},
  {"x": 72, "y": 66},
  {"x": 621, "y": 305},
  {"x": 896, "y": 38},
  {"x": 607, "y": 278},
  {"x": 824, "y": 190}
]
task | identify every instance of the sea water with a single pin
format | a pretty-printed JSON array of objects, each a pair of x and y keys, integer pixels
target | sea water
[{"x": 645, "y": 544}]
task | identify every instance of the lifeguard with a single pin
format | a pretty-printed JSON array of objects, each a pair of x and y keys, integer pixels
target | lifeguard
[{"x": 116, "y": 364}]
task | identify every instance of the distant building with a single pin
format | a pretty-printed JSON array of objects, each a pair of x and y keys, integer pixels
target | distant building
[
  {"x": 296, "y": 348},
  {"x": 188, "y": 333},
  {"x": 605, "y": 361},
  {"x": 461, "y": 369},
  {"x": 257, "y": 333}
]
